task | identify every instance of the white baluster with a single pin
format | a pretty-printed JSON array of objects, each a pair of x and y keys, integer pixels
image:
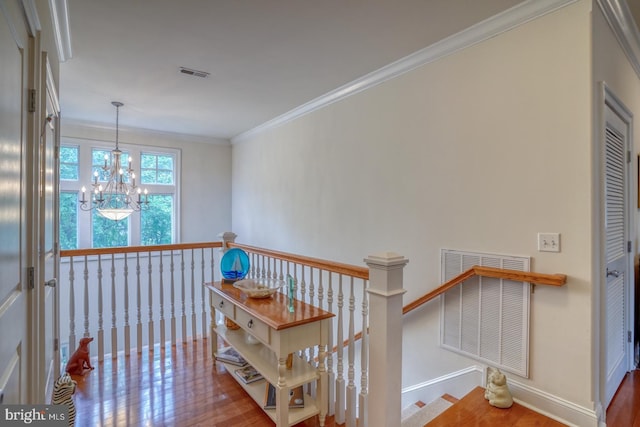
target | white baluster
[
  {"x": 150, "y": 308},
  {"x": 127, "y": 331},
  {"x": 138, "y": 306},
  {"x": 86, "y": 297},
  {"x": 193, "y": 293},
  {"x": 72, "y": 307},
  {"x": 303, "y": 285},
  {"x": 162, "y": 326},
  {"x": 364, "y": 359},
  {"x": 351, "y": 387},
  {"x": 173, "y": 300},
  {"x": 340, "y": 390},
  {"x": 202, "y": 295},
  {"x": 100, "y": 331},
  {"x": 330, "y": 370},
  {"x": 114, "y": 329},
  {"x": 183, "y": 312}
]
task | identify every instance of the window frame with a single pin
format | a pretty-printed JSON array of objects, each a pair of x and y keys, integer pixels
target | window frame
[{"x": 85, "y": 177}]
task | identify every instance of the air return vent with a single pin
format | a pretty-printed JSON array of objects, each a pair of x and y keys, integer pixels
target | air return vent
[{"x": 194, "y": 73}]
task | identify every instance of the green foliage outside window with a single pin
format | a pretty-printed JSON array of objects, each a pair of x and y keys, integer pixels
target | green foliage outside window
[
  {"x": 155, "y": 220},
  {"x": 68, "y": 220},
  {"x": 108, "y": 233},
  {"x": 69, "y": 169}
]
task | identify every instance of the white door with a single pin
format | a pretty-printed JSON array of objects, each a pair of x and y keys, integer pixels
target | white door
[
  {"x": 618, "y": 271},
  {"x": 48, "y": 329},
  {"x": 15, "y": 365}
]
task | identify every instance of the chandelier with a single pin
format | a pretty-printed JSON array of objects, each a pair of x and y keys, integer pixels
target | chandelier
[{"x": 118, "y": 197}]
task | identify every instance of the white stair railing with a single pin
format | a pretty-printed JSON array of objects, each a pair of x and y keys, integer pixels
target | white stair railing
[{"x": 108, "y": 270}]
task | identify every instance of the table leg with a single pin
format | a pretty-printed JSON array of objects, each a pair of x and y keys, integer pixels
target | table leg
[
  {"x": 323, "y": 395},
  {"x": 282, "y": 395}
]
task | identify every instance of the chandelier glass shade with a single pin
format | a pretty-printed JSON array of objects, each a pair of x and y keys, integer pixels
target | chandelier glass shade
[{"x": 118, "y": 196}]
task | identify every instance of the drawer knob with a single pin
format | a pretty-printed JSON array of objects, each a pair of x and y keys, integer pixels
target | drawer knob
[
  {"x": 250, "y": 323},
  {"x": 221, "y": 304}
]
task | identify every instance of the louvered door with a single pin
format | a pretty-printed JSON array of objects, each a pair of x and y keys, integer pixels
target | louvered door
[{"x": 616, "y": 255}]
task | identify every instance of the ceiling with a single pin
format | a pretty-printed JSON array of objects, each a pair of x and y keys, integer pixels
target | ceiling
[{"x": 264, "y": 57}]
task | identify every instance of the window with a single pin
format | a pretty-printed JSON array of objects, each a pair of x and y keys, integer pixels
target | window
[{"x": 81, "y": 160}]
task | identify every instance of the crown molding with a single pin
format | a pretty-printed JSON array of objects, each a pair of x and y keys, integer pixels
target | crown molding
[
  {"x": 100, "y": 131},
  {"x": 31, "y": 12},
  {"x": 61, "y": 31},
  {"x": 619, "y": 18},
  {"x": 491, "y": 27}
]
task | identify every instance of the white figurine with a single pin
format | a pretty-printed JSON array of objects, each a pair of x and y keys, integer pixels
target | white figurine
[{"x": 497, "y": 391}]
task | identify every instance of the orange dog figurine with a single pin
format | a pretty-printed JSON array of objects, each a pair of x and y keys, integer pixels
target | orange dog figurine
[{"x": 79, "y": 360}]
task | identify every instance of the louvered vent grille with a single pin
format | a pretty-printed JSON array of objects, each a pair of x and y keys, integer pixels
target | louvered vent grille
[{"x": 486, "y": 318}]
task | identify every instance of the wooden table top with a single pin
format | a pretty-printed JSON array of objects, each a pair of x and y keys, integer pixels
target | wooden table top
[{"x": 273, "y": 311}]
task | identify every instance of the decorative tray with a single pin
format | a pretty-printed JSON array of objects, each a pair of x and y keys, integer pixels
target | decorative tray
[{"x": 260, "y": 288}]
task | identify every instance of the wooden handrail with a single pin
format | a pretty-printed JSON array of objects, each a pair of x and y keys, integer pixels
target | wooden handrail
[
  {"x": 336, "y": 267},
  {"x": 499, "y": 273},
  {"x": 132, "y": 249}
]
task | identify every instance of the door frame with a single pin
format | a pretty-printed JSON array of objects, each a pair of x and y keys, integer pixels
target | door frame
[{"x": 606, "y": 97}]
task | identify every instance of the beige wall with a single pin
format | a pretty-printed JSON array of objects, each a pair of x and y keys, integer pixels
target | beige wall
[
  {"x": 205, "y": 189},
  {"x": 478, "y": 151}
]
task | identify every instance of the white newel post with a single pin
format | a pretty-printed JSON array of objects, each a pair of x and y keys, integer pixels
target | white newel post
[
  {"x": 385, "y": 339},
  {"x": 227, "y": 237}
]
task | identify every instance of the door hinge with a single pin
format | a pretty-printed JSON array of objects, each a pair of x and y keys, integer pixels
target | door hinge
[
  {"x": 628, "y": 336},
  {"x": 32, "y": 100},
  {"x": 56, "y": 344},
  {"x": 31, "y": 280},
  {"x": 629, "y": 246}
]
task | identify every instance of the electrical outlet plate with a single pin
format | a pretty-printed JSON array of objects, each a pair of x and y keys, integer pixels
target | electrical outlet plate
[{"x": 549, "y": 242}]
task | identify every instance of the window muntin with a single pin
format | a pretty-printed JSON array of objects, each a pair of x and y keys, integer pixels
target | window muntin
[{"x": 157, "y": 169}]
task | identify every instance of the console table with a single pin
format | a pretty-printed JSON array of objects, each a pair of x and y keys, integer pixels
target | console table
[{"x": 268, "y": 333}]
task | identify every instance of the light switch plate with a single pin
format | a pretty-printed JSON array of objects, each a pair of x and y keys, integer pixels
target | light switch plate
[{"x": 549, "y": 242}]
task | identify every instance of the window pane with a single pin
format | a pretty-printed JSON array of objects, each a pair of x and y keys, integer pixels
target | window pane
[
  {"x": 108, "y": 233},
  {"x": 98, "y": 162},
  {"x": 165, "y": 177},
  {"x": 165, "y": 162},
  {"x": 68, "y": 220},
  {"x": 156, "y": 220},
  {"x": 148, "y": 161},
  {"x": 157, "y": 169},
  {"x": 69, "y": 163}
]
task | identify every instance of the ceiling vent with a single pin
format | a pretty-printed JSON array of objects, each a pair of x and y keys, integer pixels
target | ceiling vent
[{"x": 194, "y": 73}]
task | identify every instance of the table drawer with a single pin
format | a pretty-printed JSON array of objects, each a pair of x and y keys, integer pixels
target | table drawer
[
  {"x": 252, "y": 325},
  {"x": 224, "y": 306}
]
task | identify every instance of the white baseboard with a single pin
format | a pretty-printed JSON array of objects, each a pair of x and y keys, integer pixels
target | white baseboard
[
  {"x": 553, "y": 406},
  {"x": 459, "y": 383}
]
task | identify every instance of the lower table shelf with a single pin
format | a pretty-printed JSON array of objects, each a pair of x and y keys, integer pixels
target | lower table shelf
[{"x": 257, "y": 392}]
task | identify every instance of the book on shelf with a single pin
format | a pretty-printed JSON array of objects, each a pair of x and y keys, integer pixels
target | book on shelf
[
  {"x": 296, "y": 397},
  {"x": 248, "y": 374},
  {"x": 230, "y": 355}
]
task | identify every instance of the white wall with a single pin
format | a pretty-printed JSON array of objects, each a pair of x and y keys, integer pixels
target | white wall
[
  {"x": 478, "y": 151},
  {"x": 205, "y": 188}
]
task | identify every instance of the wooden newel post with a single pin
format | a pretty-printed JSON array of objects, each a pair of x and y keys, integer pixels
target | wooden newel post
[{"x": 385, "y": 339}]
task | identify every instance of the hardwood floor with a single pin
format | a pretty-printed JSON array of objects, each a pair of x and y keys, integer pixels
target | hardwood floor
[
  {"x": 473, "y": 410},
  {"x": 624, "y": 410},
  {"x": 180, "y": 386}
]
